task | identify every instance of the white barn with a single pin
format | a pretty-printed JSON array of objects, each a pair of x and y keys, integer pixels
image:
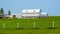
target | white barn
[{"x": 32, "y": 13}]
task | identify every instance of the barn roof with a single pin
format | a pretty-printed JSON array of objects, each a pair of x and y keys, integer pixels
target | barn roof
[
  {"x": 44, "y": 13},
  {"x": 30, "y": 10}
]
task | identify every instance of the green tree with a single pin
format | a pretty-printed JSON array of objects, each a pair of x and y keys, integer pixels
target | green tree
[
  {"x": 1, "y": 11},
  {"x": 9, "y": 12}
]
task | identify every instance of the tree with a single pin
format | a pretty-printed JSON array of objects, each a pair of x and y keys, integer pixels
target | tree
[
  {"x": 1, "y": 11},
  {"x": 9, "y": 12},
  {"x": 40, "y": 10}
]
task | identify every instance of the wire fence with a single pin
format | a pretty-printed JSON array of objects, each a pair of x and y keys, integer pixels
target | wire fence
[{"x": 33, "y": 25}]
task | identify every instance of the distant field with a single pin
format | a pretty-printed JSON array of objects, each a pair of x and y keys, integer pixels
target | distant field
[{"x": 26, "y": 25}]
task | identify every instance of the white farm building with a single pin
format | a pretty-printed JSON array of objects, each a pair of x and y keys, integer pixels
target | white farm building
[{"x": 33, "y": 13}]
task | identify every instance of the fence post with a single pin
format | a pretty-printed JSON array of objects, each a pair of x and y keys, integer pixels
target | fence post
[
  {"x": 3, "y": 25},
  {"x": 18, "y": 25},
  {"x": 34, "y": 24},
  {"x": 53, "y": 24}
]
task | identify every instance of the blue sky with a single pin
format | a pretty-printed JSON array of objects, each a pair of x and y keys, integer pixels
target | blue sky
[{"x": 16, "y": 6}]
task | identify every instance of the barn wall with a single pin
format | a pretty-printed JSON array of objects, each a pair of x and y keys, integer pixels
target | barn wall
[{"x": 30, "y": 14}]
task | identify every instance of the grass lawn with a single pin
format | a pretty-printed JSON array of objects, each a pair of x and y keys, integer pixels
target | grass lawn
[{"x": 27, "y": 25}]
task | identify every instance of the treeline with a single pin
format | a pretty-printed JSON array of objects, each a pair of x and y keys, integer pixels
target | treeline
[{"x": 2, "y": 14}]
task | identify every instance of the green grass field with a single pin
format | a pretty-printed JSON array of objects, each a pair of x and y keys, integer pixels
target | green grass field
[{"x": 43, "y": 26}]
